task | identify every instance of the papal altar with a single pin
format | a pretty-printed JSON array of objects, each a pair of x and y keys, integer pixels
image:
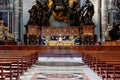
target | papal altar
[
  {"x": 59, "y": 43},
  {"x": 70, "y": 35}
]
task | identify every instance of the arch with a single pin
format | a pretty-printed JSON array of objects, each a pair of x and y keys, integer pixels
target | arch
[{"x": 4, "y": 2}]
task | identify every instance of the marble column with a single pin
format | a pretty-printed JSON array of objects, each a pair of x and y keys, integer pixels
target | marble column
[
  {"x": 104, "y": 18},
  {"x": 16, "y": 19},
  {"x": 21, "y": 11},
  {"x": 96, "y": 17}
]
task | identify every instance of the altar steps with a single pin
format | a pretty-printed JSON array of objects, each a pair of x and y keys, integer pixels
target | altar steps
[{"x": 59, "y": 53}]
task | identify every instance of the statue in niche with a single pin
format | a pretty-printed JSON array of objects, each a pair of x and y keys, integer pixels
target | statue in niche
[
  {"x": 4, "y": 33},
  {"x": 87, "y": 12},
  {"x": 36, "y": 14}
]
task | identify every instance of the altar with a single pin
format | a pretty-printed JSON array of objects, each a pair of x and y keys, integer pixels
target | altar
[
  {"x": 63, "y": 31},
  {"x": 59, "y": 43},
  {"x": 49, "y": 36}
]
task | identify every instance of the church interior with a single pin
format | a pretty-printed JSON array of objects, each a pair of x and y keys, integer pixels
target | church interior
[{"x": 59, "y": 39}]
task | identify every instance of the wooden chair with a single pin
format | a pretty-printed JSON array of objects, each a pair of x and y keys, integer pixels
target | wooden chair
[{"x": 2, "y": 77}]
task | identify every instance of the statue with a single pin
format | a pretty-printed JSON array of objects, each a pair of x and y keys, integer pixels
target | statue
[
  {"x": 36, "y": 14},
  {"x": 61, "y": 13},
  {"x": 46, "y": 14},
  {"x": 87, "y": 12},
  {"x": 107, "y": 36},
  {"x": 4, "y": 33},
  {"x": 74, "y": 14},
  {"x": 115, "y": 32}
]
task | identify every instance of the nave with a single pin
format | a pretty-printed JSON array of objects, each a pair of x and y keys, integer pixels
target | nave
[
  {"x": 61, "y": 65},
  {"x": 59, "y": 40},
  {"x": 70, "y": 66}
]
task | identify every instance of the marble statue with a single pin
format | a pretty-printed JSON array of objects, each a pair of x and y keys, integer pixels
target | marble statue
[
  {"x": 4, "y": 33},
  {"x": 107, "y": 36}
]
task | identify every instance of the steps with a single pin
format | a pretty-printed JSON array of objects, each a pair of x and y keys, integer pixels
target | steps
[
  {"x": 60, "y": 61},
  {"x": 59, "y": 53}
]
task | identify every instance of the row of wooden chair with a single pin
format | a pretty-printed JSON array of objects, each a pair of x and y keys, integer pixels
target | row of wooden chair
[
  {"x": 2, "y": 77},
  {"x": 105, "y": 63},
  {"x": 13, "y": 63}
]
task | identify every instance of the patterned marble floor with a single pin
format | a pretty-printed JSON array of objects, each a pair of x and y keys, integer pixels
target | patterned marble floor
[{"x": 36, "y": 68}]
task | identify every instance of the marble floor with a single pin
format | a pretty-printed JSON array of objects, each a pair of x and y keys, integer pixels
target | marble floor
[{"x": 40, "y": 67}]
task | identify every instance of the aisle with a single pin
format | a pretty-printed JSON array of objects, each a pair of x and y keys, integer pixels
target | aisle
[{"x": 60, "y": 70}]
